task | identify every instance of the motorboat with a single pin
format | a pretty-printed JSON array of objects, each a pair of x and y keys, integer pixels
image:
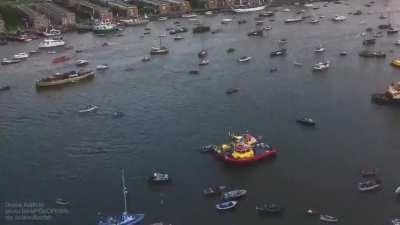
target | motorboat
[
  {"x": 134, "y": 22},
  {"x": 235, "y": 194},
  {"x": 6, "y": 61},
  {"x": 125, "y": 218},
  {"x": 88, "y": 109},
  {"x": 392, "y": 30},
  {"x": 188, "y": 15},
  {"x": 159, "y": 178},
  {"x": 279, "y": 52},
  {"x": 397, "y": 190},
  {"x": 256, "y": 33},
  {"x": 162, "y": 18},
  {"x": 315, "y": 21},
  {"x": 82, "y": 62},
  {"x": 312, "y": 212},
  {"x": 266, "y": 14},
  {"x": 273, "y": 69},
  {"x": 369, "y": 185},
  {"x": 51, "y": 43},
  {"x": 226, "y": 205},
  {"x": 146, "y": 59},
  {"x": 22, "y": 55},
  {"x": 32, "y": 52},
  {"x": 178, "y": 38},
  {"x": 61, "y": 59},
  {"x": 372, "y": 54},
  {"x": 226, "y": 21},
  {"x": 194, "y": 72},
  {"x": 212, "y": 191},
  {"x": 286, "y": 10},
  {"x": 338, "y": 18},
  {"x": 201, "y": 29},
  {"x": 244, "y": 59},
  {"x": 62, "y": 202},
  {"x": 321, "y": 66},
  {"x": 230, "y": 50},
  {"x": 102, "y": 67},
  {"x": 319, "y": 49},
  {"x": 395, "y": 62},
  {"x": 209, "y": 13},
  {"x": 244, "y": 149},
  {"x": 204, "y": 62},
  {"x": 294, "y": 20},
  {"x": 259, "y": 22},
  {"x": 230, "y": 91},
  {"x": 282, "y": 41},
  {"x": 343, "y": 53},
  {"x": 369, "y": 41},
  {"x": 327, "y": 218},
  {"x": 269, "y": 208},
  {"x": 203, "y": 53},
  {"x": 267, "y": 28},
  {"x": 5, "y": 88},
  {"x": 51, "y": 33},
  {"x": 306, "y": 121}
]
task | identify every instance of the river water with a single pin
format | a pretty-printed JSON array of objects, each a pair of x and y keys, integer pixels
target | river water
[{"x": 49, "y": 150}]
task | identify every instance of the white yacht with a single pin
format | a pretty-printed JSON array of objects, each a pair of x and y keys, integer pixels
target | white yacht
[{"x": 51, "y": 43}]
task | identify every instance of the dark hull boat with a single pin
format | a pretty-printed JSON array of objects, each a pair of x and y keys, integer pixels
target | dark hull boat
[
  {"x": 65, "y": 78},
  {"x": 5, "y": 88},
  {"x": 235, "y": 194},
  {"x": 306, "y": 121},
  {"x": 231, "y": 91},
  {"x": 369, "y": 185},
  {"x": 203, "y": 53},
  {"x": 159, "y": 51},
  {"x": 213, "y": 191},
  {"x": 367, "y": 42},
  {"x": 269, "y": 209},
  {"x": 159, "y": 178},
  {"x": 201, "y": 29}
]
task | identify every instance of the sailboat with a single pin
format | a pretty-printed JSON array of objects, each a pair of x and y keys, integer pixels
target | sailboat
[
  {"x": 125, "y": 218},
  {"x": 161, "y": 50},
  {"x": 249, "y": 6}
]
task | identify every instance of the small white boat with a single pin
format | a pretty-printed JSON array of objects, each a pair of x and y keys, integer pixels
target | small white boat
[
  {"x": 178, "y": 38},
  {"x": 51, "y": 52},
  {"x": 51, "y": 33},
  {"x": 397, "y": 191},
  {"x": 146, "y": 59},
  {"x": 60, "y": 201},
  {"x": 226, "y": 205},
  {"x": 329, "y": 219},
  {"x": 102, "y": 67},
  {"x": 90, "y": 108},
  {"x": 22, "y": 55},
  {"x": 204, "y": 62},
  {"x": 314, "y": 21},
  {"x": 226, "y": 21},
  {"x": 319, "y": 49},
  {"x": 82, "y": 62},
  {"x": 338, "y": 18},
  {"x": 286, "y": 10},
  {"x": 162, "y": 18},
  {"x": 267, "y": 28},
  {"x": 244, "y": 59},
  {"x": 208, "y": 13},
  {"x": 294, "y": 20},
  {"x": 321, "y": 66},
  {"x": 189, "y": 15}
]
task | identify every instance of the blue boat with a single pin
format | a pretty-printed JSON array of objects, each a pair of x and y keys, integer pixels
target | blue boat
[{"x": 125, "y": 218}]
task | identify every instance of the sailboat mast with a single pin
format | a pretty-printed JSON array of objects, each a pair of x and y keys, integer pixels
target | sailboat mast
[{"x": 124, "y": 190}]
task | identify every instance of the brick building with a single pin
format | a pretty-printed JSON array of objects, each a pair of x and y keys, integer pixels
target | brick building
[
  {"x": 124, "y": 10},
  {"x": 33, "y": 19},
  {"x": 57, "y": 15}
]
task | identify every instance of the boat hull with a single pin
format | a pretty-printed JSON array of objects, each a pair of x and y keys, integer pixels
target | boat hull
[
  {"x": 44, "y": 84},
  {"x": 246, "y": 161},
  {"x": 249, "y": 9}
]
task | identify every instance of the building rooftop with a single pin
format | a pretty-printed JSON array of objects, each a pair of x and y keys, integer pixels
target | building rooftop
[
  {"x": 27, "y": 11},
  {"x": 53, "y": 9}
]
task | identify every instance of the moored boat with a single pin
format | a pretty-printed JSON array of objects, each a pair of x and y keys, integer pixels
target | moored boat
[
  {"x": 52, "y": 32},
  {"x": 327, "y": 218},
  {"x": 230, "y": 91},
  {"x": 203, "y": 53},
  {"x": 88, "y": 109},
  {"x": 269, "y": 208},
  {"x": 369, "y": 185},
  {"x": 82, "y": 62},
  {"x": 212, "y": 191},
  {"x": 397, "y": 190},
  {"x": 61, "y": 59},
  {"x": 256, "y": 33},
  {"x": 226, "y": 205},
  {"x": 65, "y": 78},
  {"x": 244, "y": 59},
  {"x": 21, "y": 55},
  {"x": 338, "y": 18},
  {"x": 279, "y": 52},
  {"x": 226, "y": 21},
  {"x": 306, "y": 121},
  {"x": 102, "y": 67},
  {"x": 60, "y": 201},
  {"x": 5, "y": 88},
  {"x": 161, "y": 50},
  {"x": 372, "y": 54},
  {"x": 368, "y": 172},
  {"x": 6, "y": 61},
  {"x": 294, "y": 20},
  {"x": 51, "y": 43},
  {"x": 104, "y": 26},
  {"x": 159, "y": 178},
  {"x": 235, "y": 194},
  {"x": 321, "y": 66},
  {"x": 204, "y": 62},
  {"x": 201, "y": 29}
]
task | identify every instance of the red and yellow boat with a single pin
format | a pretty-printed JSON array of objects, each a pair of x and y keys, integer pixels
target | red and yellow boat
[{"x": 244, "y": 149}]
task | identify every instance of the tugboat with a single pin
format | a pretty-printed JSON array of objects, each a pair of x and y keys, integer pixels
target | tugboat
[
  {"x": 391, "y": 96},
  {"x": 65, "y": 78},
  {"x": 243, "y": 150},
  {"x": 269, "y": 208},
  {"x": 125, "y": 218}
]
